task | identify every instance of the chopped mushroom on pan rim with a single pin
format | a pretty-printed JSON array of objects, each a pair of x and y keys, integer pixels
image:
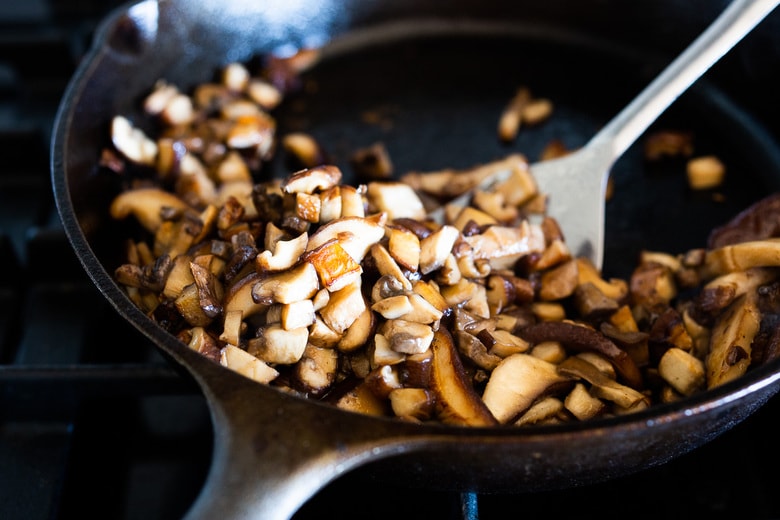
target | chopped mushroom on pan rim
[{"x": 351, "y": 295}]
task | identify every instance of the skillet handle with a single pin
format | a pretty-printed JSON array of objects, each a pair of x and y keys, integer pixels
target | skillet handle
[{"x": 272, "y": 452}]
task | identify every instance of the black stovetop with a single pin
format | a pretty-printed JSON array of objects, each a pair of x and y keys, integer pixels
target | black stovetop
[{"x": 93, "y": 422}]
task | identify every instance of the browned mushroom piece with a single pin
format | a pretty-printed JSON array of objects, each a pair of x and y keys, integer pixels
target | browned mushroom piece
[
  {"x": 372, "y": 162},
  {"x": 582, "y": 338},
  {"x": 757, "y": 222},
  {"x": 730, "y": 343},
  {"x": 310, "y": 180},
  {"x": 601, "y": 385},
  {"x": 456, "y": 400}
]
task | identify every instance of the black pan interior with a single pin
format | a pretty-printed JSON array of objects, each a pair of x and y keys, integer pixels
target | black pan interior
[{"x": 434, "y": 102}]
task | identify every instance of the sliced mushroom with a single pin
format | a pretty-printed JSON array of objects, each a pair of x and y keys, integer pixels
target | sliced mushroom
[
  {"x": 132, "y": 142},
  {"x": 502, "y": 246},
  {"x": 456, "y": 400},
  {"x": 284, "y": 255},
  {"x": 335, "y": 267},
  {"x": 730, "y": 342},
  {"x": 516, "y": 383},
  {"x": 355, "y": 234},
  {"x": 247, "y": 365},
  {"x": 436, "y": 247},
  {"x": 276, "y": 345},
  {"x": 683, "y": 371},
  {"x": 343, "y": 308},
  {"x": 299, "y": 283},
  {"x": 146, "y": 205},
  {"x": 316, "y": 371},
  {"x": 404, "y": 247},
  {"x": 580, "y": 403},
  {"x": 396, "y": 199},
  {"x": 601, "y": 385},
  {"x": 581, "y": 338},
  {"x": 311, "y": 180},
  {"x": 412, "y": 403},
  {"x": 742, "y": 256}
]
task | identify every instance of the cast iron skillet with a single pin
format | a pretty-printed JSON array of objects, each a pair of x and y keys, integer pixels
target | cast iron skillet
[{"x": 440, "y": 77}]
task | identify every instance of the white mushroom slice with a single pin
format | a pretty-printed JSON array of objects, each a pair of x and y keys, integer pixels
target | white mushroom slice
[
  {"x": 541, "y": 411},
  {"x": 231, "y": 329},
  {"x": 323, "y": 336},
  {"x": 335, "y": 267},
  {"x": 383, "y": 380},
  {"x": 582, "y": 404},
  {"x": 298, "y": 314},
  {"x": 161, "y": 95},
  {"x": 494, "y": 204},
  {"x": 414, "y": 403},
  {"x": 238, "y": 296},
  {"x": 320, "y": 299},
  {"x": 502, "y": 246},
  {"x": 145, "y": 205},
  {"x": 274, "y": 314},
  {"x": 731, "y": 339},
  {"x": 470, "y": 216},
  {"x": 132, "y": 142},
  {"x": 387, "y": 266},
  {"x": 330, "y": 204},
  {"x": 277, "y": 345},
  {"x": 352, "y": 203},
  {"x": 264, "y": 94},
  {"x": 393, "y": 307},
  {"x": 233, "y": 168},
  {"x": 194, "y": 180},
  {"x": 615, "y": 288},
  {"x": 274, "y": 234},
  {"x": 478, "y": 304},
  {"x": 516, "y": 383},
  {"x": 422, "y": 311},
  {"x": 459, "y": 293},
  {"x": 404, "y": 247},
  {"x": 299, "y": 283},
  {"x": 235, "y": 76},
  {"x": 407, "y": 337},
  {"x": 550, "y": 351},
  {"x": 253, "y": 131},
  {"x": 247, "y": 365},
  {"x": 683, "y": 371},
  {"x": 503, "y": 343},
  {"x": 356, "y": 235},
  {"x": 311, "y": 180},
  {"x": 555, "y": 253},
  {"x": 383, "y": 354},
  {"x": 449, "y": 273},
  {"x": 344, "y": 307},
  {"x": 737, "y": 283},
  {"x": 742, "y": 256},
  {"x": 179, "y": 277},
  {"x": 520, "y": 186},
  {"x": 358, "y": 334},
  {"x": 436, "y": 247},
  {"x": 601, "y": 385},
  {"x": 396, "y": 199},
  {"x": 284, "y": 255},
  {"x": 178, "y": 111},
  {"x": 431, "y": 294}
]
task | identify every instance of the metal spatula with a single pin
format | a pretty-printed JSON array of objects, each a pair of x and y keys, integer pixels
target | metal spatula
[{"x": 576, "y": 184}]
